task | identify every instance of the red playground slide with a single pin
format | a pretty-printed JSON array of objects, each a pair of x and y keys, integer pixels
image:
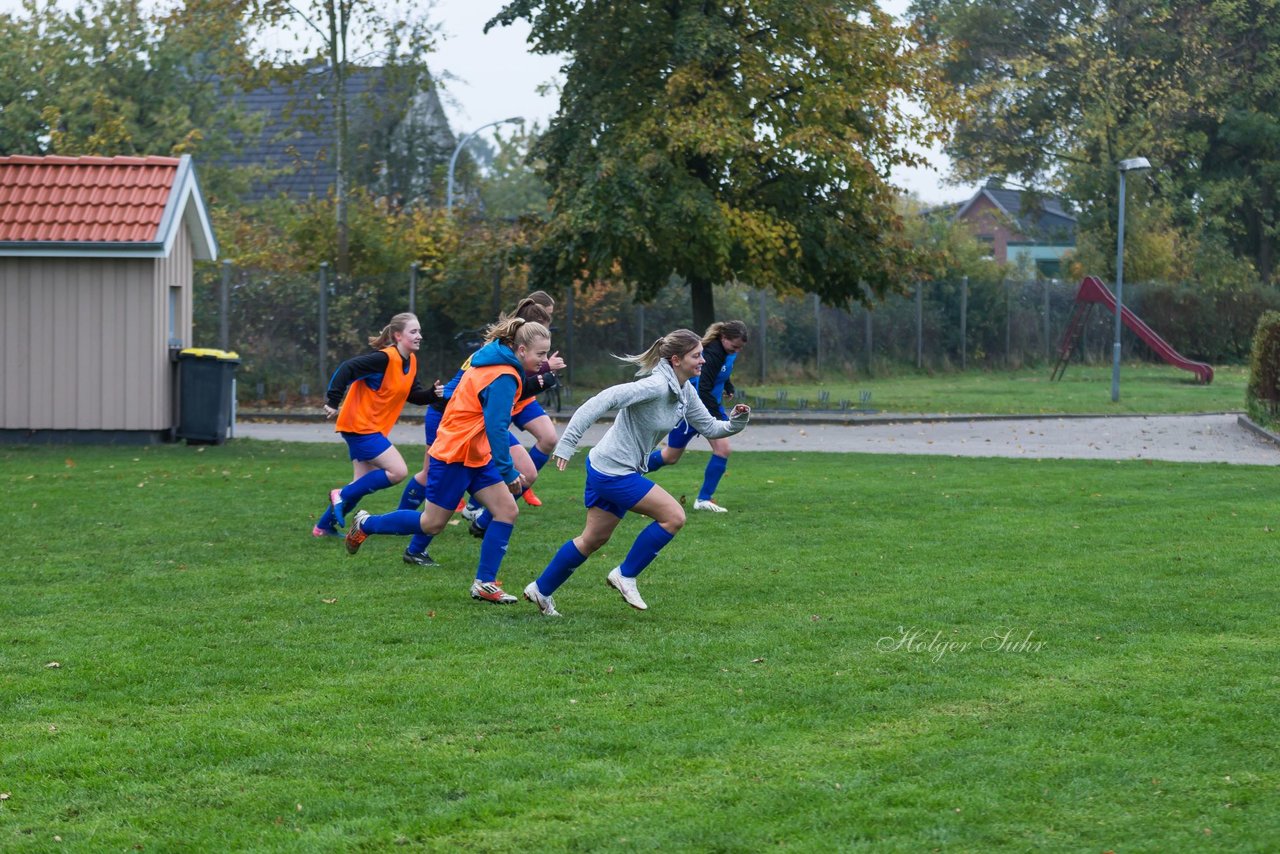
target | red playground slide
[{"x": 1091, "y": 292}]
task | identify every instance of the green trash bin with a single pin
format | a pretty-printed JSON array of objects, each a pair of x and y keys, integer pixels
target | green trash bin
[{"x": 206, "y": 381}]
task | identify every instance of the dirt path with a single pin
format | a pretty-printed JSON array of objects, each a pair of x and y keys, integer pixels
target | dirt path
[{"x": 1182, "y": 438}]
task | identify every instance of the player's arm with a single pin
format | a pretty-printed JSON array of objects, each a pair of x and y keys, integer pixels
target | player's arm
[{"x": 361, "y": 367}]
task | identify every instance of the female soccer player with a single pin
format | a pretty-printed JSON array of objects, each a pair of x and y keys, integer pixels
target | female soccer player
[
  {"x": 647, "y": 409},
  {"x": 471, "y": 453},
  {"x": 376, "y": 386},
  {"x": 720, "y": 346},
  {"x": 529, "y": 415}
]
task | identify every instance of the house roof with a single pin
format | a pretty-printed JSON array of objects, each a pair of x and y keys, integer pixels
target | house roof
[
  {"x": 117, "y": 207},
  {"x": 1043, "y": 218},
  {"x": 299, "y": 120}
]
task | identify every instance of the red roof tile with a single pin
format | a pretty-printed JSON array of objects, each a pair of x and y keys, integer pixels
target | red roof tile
[{"x": 84, "y": 199}]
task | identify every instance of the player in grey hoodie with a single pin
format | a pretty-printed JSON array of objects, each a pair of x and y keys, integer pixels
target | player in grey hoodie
[{"x": 648, "y": 409}]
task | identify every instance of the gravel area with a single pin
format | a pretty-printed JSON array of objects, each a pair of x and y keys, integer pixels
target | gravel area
[{"x": 1216, "y": 438}]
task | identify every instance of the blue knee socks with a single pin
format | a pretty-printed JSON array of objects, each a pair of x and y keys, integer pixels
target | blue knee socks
[
  {"x": 396, "y": 522},
  {"x": 539, "y": 458},
  {"x": 493, "y": 548},
  {"x": 353, "y": 492},
  {"x": 655, "y": 460},
  {"x": 566, "y": 560},
  {"x": 419, "y": 542},
  {"x": 711, "y": 479},
  {"x": 645, "y": 549},
  {"x": 414, "y": 494}
]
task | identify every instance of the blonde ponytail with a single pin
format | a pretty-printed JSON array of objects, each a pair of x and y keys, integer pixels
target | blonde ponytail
[
  {"x": 676, "y": 343},
  {"x": 514, "y": 331}
]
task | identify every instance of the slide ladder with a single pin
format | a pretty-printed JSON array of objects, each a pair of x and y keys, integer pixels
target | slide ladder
[{"x": 1092, "y": 292}]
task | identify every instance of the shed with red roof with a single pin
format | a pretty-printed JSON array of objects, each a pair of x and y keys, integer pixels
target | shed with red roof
[{"x": 96, "y": 270}]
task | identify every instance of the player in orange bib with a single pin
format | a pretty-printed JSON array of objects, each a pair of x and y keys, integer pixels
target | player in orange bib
[
  {"x": 376, "y": 387},
  {"x": 471, "y": 453}
]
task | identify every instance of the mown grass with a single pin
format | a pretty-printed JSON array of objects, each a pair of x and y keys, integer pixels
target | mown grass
[
  {"x": 225, "y": 682},
  {"x": 1083, "y": 389}
]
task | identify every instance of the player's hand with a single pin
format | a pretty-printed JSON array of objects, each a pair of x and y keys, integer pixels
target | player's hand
[
  {"x": 439, "y": 389},
  {"x": 742, "y": 409},
  {"x": 329, "y": 412},
  {"x": 561, "y": 462},
  {"x": 728, "y": 395},
  {"x": 555, "y": 363},
  {"x": 517, "y": 486}
]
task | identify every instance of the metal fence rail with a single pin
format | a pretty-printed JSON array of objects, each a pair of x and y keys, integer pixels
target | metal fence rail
[{"x": 275, "y": 322}]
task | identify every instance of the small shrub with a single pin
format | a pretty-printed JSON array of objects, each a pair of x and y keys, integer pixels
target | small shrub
[{"x": 1262, "y": 397}]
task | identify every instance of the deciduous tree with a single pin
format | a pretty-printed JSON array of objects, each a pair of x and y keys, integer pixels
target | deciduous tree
[{"x": 750, "y": 140}]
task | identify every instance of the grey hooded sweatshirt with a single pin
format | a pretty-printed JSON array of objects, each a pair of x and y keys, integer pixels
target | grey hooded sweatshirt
[{"x": 648, "y": 409}]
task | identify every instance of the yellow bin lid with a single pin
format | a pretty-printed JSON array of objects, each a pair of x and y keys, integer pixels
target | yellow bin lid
[{"x": 210, "y": 353}]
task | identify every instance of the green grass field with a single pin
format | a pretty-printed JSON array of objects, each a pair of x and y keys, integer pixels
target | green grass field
[
  {"x": 870, "y": 653},
  {"x": 1083, "y": 389}
]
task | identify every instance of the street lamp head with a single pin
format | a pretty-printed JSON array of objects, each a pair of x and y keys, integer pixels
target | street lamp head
[{"x": 1133, "y": 164}]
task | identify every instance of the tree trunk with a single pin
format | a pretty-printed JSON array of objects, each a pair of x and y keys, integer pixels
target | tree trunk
[{"x": 703, "y": 303}]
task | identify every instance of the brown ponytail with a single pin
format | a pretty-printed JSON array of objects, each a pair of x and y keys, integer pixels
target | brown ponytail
[{"x": 387, "y": 336}]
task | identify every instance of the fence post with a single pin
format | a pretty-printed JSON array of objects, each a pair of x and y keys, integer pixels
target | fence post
[
  {"x": 413, "y": 288},
  {"x": 495, "y": 307},
  {"x": 568, "y": 334},
  {"x": 224, "y": 308},
  {"x": 324, "y": 323},
  {"x": 919, "y": 324},
  {"x": 763, "y": 334},
  {"x": 817, "y": 337},
  {"x": 867, "y": 336},
  {"x": 1008, "y": 324},
  {"x": 1048, "y": 355},
  {"x": 964, "y": 321}
]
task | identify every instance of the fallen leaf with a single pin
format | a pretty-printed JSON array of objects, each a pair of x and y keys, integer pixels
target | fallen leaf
[
  {"x": 4, "y": 796},
  {"x": 71, "y": 463},
  {"x": 431, "y": 613},
  {"x": 53, "y": 665},
  {"x": 757, "y": 661},
  {"x": 328, "y": 601}
]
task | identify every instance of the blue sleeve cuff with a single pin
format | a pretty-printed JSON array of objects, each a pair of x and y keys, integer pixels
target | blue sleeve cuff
[{"x": 498, "y": 399}]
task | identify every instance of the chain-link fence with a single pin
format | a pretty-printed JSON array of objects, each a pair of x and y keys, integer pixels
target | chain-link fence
[{"x": 274, "y": 320}]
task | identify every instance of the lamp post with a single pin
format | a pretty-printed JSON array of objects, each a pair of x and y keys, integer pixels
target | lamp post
[
  {"x": 453, "y": 161},
  {"x": 1132, "y": 164}
]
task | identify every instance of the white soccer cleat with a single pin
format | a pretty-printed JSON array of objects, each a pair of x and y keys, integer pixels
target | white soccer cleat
[
  {"x": 708, "y": 504},
  {"x": 544, "y": 603},
  {"x": 471, "y": 511},
  {"x": 627, "y": 587}
]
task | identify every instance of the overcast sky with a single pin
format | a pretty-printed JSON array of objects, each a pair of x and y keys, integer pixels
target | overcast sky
[{"x": 494, "y": 76}]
